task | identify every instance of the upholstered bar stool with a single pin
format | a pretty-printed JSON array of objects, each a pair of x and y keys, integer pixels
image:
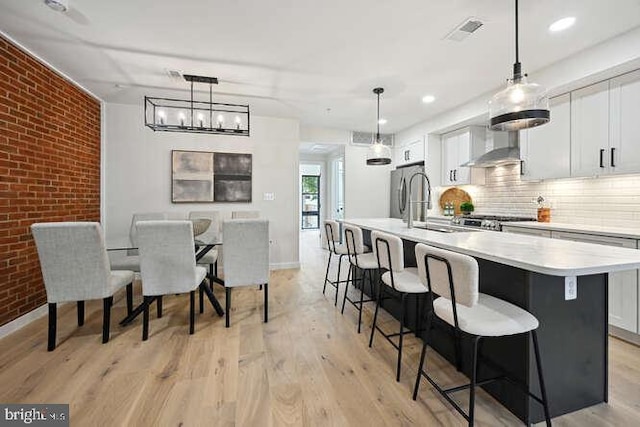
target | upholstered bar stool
[
  {"x": 359, "y": 260},
  {"x": 389, "y": 252},
  {"x": 332, "y": 237},
  {"x": 454, "y": 277}
]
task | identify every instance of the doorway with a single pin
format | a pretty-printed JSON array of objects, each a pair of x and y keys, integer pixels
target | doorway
[{"x": 310, "y": 199}]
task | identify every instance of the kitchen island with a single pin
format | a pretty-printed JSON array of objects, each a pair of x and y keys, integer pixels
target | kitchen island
[{"x": 532, "y": 272}]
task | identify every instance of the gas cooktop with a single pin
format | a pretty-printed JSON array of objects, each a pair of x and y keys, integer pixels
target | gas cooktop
[{"x": 487, "y": 222}]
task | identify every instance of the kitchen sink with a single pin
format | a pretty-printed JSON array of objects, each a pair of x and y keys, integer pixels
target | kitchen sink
[{"x": 443, "y": 228}]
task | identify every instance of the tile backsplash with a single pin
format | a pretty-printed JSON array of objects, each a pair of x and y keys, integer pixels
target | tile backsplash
[{"x": 608, "y": 201}]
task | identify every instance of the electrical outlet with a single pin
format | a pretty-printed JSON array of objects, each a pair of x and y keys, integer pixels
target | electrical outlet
[
  {"x": 269, "y": 196},
  {"x": 570, "y": 288}
]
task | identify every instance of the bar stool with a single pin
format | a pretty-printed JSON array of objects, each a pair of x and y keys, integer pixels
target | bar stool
[
  {"x": 454, "y": 277},
  {"x": 359, "y": 260},
  {"x": 389, "y": 252},
  {"x": 332, "y": 234}
]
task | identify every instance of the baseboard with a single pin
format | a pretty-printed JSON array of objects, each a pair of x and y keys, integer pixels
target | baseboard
[
  {"x": 624, "y": 335},
  {"x": 284, "y": 265},
  {"x": 23, "y": 321}
]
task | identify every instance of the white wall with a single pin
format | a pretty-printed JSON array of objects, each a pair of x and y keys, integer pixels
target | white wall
[
  {"x": 366, "y": 188},
  {"x": 137, "y": 175}
]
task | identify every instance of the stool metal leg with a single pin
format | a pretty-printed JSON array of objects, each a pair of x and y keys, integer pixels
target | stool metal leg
[
  {"x": 474, "y": 379},
  {"x": 326, "y": 275},
  {"x": 403, "y": 303},
  {"x": 423, "y": 358},
  {"x": 361, "y": 299},
  {"x": 346, "y": 286},
  {"x": 338, "y": 280},
  {"x": 375, "y": 314},
  {"x": 543, "y": 391}
]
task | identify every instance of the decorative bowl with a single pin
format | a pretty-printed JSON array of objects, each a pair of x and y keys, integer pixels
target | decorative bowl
[{"x": 200, "y": 225}]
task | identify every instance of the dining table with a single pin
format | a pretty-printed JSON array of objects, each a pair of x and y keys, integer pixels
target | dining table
[{"x": 202, "y": 245}]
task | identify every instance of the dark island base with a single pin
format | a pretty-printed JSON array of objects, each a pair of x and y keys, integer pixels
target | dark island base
[{"x": 572, "y": 336}]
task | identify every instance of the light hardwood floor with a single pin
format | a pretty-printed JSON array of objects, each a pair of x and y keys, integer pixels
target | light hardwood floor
[{"x": 307, "y": 366}]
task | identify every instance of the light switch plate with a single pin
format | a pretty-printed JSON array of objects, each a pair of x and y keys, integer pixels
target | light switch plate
[
  {"x": 570, "y": 288},
  {"x": 269, "y": 196}
]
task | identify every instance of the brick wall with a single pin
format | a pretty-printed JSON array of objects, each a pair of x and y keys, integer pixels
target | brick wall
[{"x": 49, "y": 168}]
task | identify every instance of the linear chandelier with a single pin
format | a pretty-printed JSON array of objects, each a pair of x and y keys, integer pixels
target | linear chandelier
[{"x": 189, "y": 115}]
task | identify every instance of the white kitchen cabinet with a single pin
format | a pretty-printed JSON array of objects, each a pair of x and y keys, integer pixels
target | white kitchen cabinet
[
  {"x": 623, "y": 285},
  {"x": 590, "y": 130},
  {"x": 624, "y": 120},
  {"x": 605, "y": 128},
  {"x": 457, "y": 148},
  {"x": 410, "y": 153},
  {"x": 527, "y": 231},
  {"x": 546, "y": 150}
]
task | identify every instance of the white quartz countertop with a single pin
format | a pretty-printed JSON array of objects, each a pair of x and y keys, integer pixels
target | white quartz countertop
[
  {"x": 539, "y": 254},
  {"x": 626, "y": 232}
]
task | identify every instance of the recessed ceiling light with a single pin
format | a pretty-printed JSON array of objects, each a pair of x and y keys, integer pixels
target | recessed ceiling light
[
  {"x": 562, "y": 24},
  {"x": 58, "y": 5},
  {"x": 428, "y": 99},
  {"x": 382, "y": 121}
]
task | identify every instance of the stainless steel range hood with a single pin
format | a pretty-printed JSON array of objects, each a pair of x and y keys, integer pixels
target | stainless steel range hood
[{"x": 502, "y": 155}]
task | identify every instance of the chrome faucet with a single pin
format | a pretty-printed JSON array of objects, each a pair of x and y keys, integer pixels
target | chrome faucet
[{"x": 428, "y": 201}]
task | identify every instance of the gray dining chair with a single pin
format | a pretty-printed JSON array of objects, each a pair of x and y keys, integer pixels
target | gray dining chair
[
  {"x": 209, "y": 259},
  {"x": 246, "y": 258},
  {"x": 131, "y": 260},
  {"x": 75, "y": 267},
  {"x": 167, "y": 265}
]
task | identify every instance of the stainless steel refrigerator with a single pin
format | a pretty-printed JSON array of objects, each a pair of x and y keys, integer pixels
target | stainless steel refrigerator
[{"x": 400, "y": 193}]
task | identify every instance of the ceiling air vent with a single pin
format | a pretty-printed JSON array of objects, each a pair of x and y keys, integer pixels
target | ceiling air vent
[
  {"x": 175, "y": 75},
  {"x": 368, "y": 138},
  {"x": 464, "y": 30}
]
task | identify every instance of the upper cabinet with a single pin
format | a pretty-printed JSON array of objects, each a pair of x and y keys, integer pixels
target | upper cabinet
[
  {"x": 605, "y": 127},
  {"x": 590, "y": 130},
  {"x": 457, "y": 148},
  {"x": 624, "y": 123},
  {"x": 410, "y": 152},
  {"x": 546, "y": 150}
]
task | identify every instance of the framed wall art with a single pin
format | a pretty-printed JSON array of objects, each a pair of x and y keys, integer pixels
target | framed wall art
[{"x": 200, "y": 176}]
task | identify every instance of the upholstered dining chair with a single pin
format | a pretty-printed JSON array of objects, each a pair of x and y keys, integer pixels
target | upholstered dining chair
[
  {"x": 209, "y": 259},
  {"x": 245, "y": 214},
  {"x": 131, "y": 260},
  {"x": 246, "y": 258},
  {"x": 75, "y": 267},
  {"x": 167, "y": 265}
]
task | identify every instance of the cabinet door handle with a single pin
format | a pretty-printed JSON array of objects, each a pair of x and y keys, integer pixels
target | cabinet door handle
[
  {"x": 602, "y": 157},
  {"x": 450, "y": 176},
  {"x": 454, "y": 174},
  {"x": 613, "y": 153}
]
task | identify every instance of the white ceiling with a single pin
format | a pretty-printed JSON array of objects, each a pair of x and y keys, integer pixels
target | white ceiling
[{"x": 313, "y": 60}]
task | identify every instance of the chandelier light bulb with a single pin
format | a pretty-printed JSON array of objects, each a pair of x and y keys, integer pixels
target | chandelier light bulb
[
  {"x": 162, "y": 115},
  {"x": 220, "y": 120},
  {"x": 181, "y": 117},
  {"x": 200, "y": 119},
  {"x": 238, "y": 122}
]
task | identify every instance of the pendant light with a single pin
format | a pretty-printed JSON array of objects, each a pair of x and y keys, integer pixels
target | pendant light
[
  {"x": 521, "y": 105},
  {"x": 378, "y": 153}
]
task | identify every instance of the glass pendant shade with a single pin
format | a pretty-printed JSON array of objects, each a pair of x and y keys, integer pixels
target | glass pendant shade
[
  {"x": 520, "y": 105},
  {"x": 378, "y": 154}
]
